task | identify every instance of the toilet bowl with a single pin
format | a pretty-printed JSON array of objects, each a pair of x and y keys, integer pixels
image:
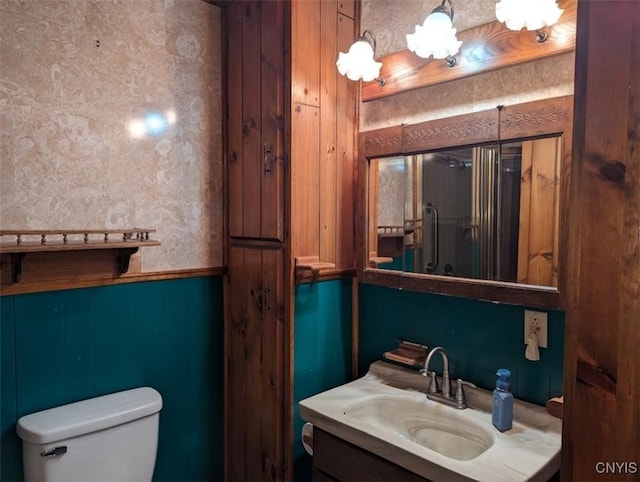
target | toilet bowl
[{"x": 109, "y": 438}]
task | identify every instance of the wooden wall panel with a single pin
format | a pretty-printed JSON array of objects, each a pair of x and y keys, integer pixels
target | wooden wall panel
[
  {"x": 305, "y": 180},
  {"x": 272, "y": 122},
  {"x": 272, "y": 409},
  {"x": 235, "y": 425},
  {"x": 328, "y": 132},
  {"x": 322, "y": 164},
  {"x": 374, "y": 179},
  {"x": 254, "y": 408},
  {"x": 602, "y": 360},
  {"x": 234, "y": 163},
  {"x": 251, "y": 118},
  {"x": 347, "y": 8},
  {"x": 256, "y": 120},
  {"x": 305, "y": 52},
  {"x": 346, "y": 101},
  {"x": 538, "y": 234}
]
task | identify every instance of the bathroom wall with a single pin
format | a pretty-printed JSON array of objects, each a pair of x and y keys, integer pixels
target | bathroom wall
[
  {"x": 479, "y": 337},
  {"x": 64, "y": 346},
  {"x": 322, "y": 350},
  {"x": 110, "y": 117}
]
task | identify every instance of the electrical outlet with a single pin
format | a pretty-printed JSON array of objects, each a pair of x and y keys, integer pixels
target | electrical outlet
[{"x": 536, "y": 321}]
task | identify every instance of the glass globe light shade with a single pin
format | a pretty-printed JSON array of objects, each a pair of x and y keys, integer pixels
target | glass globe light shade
[
  {"x": 359, "y": 63},
  {"x": 529, "y": 14},
  {"x": 436, "y": 37}
]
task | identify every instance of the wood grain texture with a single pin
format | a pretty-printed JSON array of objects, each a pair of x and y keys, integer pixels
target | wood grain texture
[
  {"x": 602, "y": 364},
  {"x": 484, "y": 48},
  {"x": 628, "y": 394},
  {"x": 347, "y": 8},
  {"x": 381, "y": 142},
  {"x": 328, "y": 168},
  {"x": 305, "y": 181},
  {"x": 362, "y": 202},
  {"x": 255, "y": 394},
  {"x": 272, "y": 121},
  {"x": 512, "y": 293},
  {"x": 252, "y": 146},
  {"x": 525, "y": 211},
  {"x": 234, "y": 157},
  {"x": 346, "y": 131},
  {"x": 539, "y": 225},
  {"x": 537, "y": 118},
  {"x": 372, "y": 232},
  {"x": 254, "y": 409},
  {"x": 465, "y": 129},
  {"x": 89, "y": 281},
  {"x": 305, "y": 52}
]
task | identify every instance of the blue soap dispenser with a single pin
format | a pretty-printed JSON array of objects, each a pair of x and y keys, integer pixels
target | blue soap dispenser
[{"x": 502, "y": 416}]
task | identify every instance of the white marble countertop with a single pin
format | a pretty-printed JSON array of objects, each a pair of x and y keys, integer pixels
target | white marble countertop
[{"x": 529, "y": 451}]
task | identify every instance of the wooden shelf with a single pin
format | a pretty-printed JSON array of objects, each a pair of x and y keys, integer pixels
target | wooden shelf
[
  {"x": 124, "y": 243},
  {"x": 311, "y": 264},
  {"x": 376, "y": 261}
]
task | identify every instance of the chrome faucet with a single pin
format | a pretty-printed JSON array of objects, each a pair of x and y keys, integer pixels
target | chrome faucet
[{"x": 444, "y": 396}]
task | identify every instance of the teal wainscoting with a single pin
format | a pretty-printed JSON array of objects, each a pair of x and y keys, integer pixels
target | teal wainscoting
[
  {"x": 322, "y": 350},
  {"x": 479, "y": 337},
  {"x": 64, "y": 346}
]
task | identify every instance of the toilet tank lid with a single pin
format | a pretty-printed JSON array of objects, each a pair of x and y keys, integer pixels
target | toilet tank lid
[{"x": 86, "y": 416}]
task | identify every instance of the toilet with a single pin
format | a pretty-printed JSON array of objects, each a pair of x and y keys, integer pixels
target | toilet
[{"x": 109, "y": 438}]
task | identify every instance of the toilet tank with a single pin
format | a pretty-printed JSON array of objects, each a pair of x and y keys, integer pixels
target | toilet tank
[{"x": 109, "y": 438}]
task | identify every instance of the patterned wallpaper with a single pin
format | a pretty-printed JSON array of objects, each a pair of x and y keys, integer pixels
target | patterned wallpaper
[
  {"x": 391, "y": 20},
  {"x": 391, "y": 188},
  {"x": 110, "y": 117}
]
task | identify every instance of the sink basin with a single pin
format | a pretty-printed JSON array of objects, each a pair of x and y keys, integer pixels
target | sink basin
[
  {"x": 387, "y": 413},
  {"x": 423, "y": 423}
]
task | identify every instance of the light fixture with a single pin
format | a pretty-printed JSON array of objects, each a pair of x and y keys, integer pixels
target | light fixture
[
  {"x": 359, "y": 62},
  {"x": 529, "y": 14},
  {"x": 436, "y": 37}
]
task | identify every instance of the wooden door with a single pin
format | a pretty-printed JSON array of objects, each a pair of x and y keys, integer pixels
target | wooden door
[
  {"x": 254, "y": 409},
  {"x": 255, "y": 118}
]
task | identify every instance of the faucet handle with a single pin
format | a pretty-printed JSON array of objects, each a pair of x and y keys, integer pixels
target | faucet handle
[
  {"x": 460, "y": 397},
  {"x": 433, "y": 383},
  {"x": 460, "y": 381}
]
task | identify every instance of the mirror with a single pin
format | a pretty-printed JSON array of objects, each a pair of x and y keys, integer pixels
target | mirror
[
  {"x": 483, "y": 212},
  {"x": 473, "y": 214}
]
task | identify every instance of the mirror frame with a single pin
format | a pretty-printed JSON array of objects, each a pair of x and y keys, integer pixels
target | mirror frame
[{"x": 543, "y": 118}]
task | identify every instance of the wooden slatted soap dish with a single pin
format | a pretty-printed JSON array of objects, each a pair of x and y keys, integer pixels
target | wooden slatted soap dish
[{"x": 408, "y": 353}]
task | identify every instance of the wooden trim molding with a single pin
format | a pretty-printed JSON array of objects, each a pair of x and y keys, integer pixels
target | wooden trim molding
[
  {"x": 484, "y": 48},
  {"x": 506, "y": 123},
  {"x": 71, "y": 283}
]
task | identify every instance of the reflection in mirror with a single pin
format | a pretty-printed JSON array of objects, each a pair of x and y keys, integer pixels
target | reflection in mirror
[
  {"x": 486, "y": 212},
  {"x": 388, "y": 182}
]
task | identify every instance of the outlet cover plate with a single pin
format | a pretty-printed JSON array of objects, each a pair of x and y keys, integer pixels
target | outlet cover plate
[{"x": 536, "y": 320}]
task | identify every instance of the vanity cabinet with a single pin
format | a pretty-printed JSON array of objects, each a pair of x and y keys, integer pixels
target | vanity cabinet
[{"x": 336, "y": 459}]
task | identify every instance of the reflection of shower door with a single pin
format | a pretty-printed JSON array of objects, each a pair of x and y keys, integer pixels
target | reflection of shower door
[
  {"x": 446, "y": 209},
  {"x": 485, "y": 199},
  {"x": 470, "y": 209}
]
